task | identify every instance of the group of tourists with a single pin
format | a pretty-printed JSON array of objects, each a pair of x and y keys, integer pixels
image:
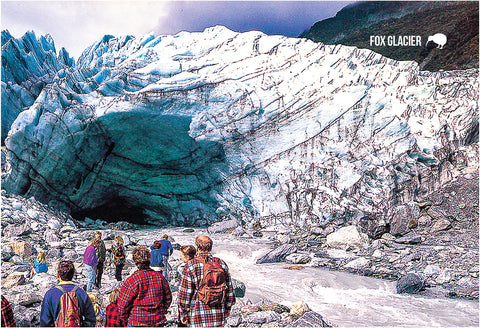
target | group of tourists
[{"x": 205, "y": 291}]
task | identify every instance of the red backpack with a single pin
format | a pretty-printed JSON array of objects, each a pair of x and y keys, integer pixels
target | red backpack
[
  {"x": 69, "y": 315},
  {"x": 213, "y": 286}
]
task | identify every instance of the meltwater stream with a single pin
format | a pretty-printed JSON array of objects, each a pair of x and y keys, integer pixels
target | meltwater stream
[{"x": 345, "y": 300}]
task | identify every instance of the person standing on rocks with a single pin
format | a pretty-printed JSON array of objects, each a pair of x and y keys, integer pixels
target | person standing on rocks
[
  {"x": 100, "y": 251},
  {"x": 118, "y": 257},
  {"x": 156, "y": 260},
  {"x": 166, "y": 250},
  {"x": 51, "y": 302},
  {"x": 7, "y": 314},
  {"x": 199, "y": 305},
  {"x": 90, "y": 261},
  {"x": 145, "y": 296}
]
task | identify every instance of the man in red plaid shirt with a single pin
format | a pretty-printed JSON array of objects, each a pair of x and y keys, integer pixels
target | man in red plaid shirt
[
  {"x": 193, "y": 311},
  {"x": 145, "y": 296}
]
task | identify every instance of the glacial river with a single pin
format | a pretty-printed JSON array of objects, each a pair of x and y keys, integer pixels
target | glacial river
[{"x": 344, "y": 299}]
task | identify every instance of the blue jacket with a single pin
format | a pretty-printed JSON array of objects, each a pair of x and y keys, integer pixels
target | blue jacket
[
  {"x": 156, "y": 257},
  {"x": 51, "y": 307},
  {"x": 40, "y": 267},
  {"x": 166, "y": 247}
]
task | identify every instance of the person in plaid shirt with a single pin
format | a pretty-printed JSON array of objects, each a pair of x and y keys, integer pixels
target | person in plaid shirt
[
  {"x": 113, "y": 318},
  {"x": 7, "y": 314},
  {"x": 193, "y": 311},
  {"x": 145, "y": 296}
]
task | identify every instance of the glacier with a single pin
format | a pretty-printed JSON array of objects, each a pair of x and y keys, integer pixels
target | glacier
[
  {"x": 28, "y": 64},
  {"x": 193, "y": 128}
]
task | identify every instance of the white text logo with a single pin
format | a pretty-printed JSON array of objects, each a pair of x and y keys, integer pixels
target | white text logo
[{"x": 396, "y": 40}]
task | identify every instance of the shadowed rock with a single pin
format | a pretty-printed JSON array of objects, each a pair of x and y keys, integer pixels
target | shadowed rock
[{"x": 410, "y": 284}]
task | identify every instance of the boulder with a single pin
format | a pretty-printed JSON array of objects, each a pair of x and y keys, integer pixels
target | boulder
[
  {"x": 22, "y": 248},
  {"x": 387, "y": 236},
  {"x": 411, "y": 284},
  {"x": 424, "y": 221},
  {"x": 445, "y": 276},
  {"x": 431, "y": 270},
  {"x": 413, "y": 239},
  {"x": 223, "y": 227},
  {"x": 14, "y": 279},
  {"x": 402, "y": 221},
  {"x": 54, "y": 224},
  {"x": 32, "y": 213},
  {"x": 373, "y": 227},
  {"x": 310, "y": 319},
  {"x": 17, "y": 230},
  {"x": 278, "y": 254},
  {"x": 17, "y": 205},
  {"x": 45, "y": 280},
  {"x": 27, "y": 299},
  {"x": 441, "y": 224},
  {"x": 272, "y": 306},
  {"x": 347, "y": 237},
  {"x": 238, "y": 288},
  {"x": 51, "y": 236},
  {"x": 435, "y": 213},
  {"x": 358, "y": 264},
  {"x": 262, "y": 317},
  {"x": 7, "y": 252},
  {"x": 298, "y": 309},
  {"x": 26, "y": 317},
  {"x": 297, "y": 258},
  {"x": 339, "y": 254},
  {"x": 54, "y": 252},
  {"x": 17, "y": 259}
]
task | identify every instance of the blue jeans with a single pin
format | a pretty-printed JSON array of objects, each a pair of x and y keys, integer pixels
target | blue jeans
[
  {"x": 92, "y": 274},
  {"x": 165, "y": 266}
]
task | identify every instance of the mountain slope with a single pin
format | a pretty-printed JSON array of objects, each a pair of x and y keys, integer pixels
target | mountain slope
[{"x": 355, "y": 24}]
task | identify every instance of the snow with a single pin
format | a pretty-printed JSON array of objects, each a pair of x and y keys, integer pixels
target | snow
[{"x": 161, "y": 67}]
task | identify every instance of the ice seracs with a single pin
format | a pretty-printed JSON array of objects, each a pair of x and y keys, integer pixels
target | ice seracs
[{"x": 195, "y": 127}]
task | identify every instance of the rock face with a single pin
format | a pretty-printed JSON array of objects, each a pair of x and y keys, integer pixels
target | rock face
[{"x": 196, "y": 127}]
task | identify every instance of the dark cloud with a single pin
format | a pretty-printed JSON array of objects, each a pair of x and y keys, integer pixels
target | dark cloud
[{"x": 288, "y": 18}]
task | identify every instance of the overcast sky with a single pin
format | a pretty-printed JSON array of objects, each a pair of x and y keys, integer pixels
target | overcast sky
[{"x": 77, "y": 24}]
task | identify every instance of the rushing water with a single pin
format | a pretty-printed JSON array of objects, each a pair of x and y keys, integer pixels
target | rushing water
[{"x": 344, "y": 299}]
